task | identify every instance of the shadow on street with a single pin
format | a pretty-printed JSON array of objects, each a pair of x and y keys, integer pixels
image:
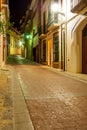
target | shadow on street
[{"x": 18, "y": 60}]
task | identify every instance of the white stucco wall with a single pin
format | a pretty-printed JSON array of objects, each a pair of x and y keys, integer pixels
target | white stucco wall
[
  {"x": 74, "y": 43},
  {"x": 74, "y": 25}
]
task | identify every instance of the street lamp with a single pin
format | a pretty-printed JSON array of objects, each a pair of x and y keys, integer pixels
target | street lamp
[
  {"x": 55, "y": 9},
  {"x": 27, "y": 36}
]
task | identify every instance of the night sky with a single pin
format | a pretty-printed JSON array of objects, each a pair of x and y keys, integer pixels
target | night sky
[{"x": 17, "y": 10}]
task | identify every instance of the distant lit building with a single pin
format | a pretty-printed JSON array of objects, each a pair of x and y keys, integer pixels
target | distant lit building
[{"x": 14, "y": 40}]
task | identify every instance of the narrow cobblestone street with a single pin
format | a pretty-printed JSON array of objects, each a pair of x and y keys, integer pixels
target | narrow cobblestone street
[{"x": 53, "y": 100}]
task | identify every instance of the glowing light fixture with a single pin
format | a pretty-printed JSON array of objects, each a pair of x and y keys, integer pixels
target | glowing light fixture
[
  {"x": 27, "y": 36},
  {"x": 20, "y": 43},
  {"x": 55, "y": 9}
]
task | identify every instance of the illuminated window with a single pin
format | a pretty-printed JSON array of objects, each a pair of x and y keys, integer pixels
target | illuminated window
[{"x": 56, "y": 47}]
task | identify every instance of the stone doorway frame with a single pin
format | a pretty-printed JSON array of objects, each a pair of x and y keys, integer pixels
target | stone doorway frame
[{"x": 76, "y": 46}]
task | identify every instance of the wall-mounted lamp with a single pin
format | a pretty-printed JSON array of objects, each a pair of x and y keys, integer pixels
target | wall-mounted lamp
[
  {"x": 55, "y": 9},
  {"x": 28, "y": 36}
]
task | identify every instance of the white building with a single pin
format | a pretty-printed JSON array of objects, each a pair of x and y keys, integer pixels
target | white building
[{"x": 60, "y": 38}]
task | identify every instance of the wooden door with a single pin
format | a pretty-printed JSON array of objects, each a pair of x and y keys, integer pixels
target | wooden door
[
  {"x": 84, "y": 55},
  {"x": 49, "y": 52}
]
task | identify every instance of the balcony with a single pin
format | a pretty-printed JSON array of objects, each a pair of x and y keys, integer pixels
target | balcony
[
  {"x": 78, "y": 5},
  {"x": 55, "y": 21},
  {"x": 42, "y": 31}
]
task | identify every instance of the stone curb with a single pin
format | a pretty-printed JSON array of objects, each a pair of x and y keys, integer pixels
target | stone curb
[{"x": 22, "y": 120}]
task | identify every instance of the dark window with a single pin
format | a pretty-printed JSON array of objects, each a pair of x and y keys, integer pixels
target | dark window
[
  {"x": 56, "y": 1},
  {"x": 44, "y": 50},
  {"x": 44, "y": 22},
  {"x": 43, "y": 1},
  {"x": 33, "y": 32}
]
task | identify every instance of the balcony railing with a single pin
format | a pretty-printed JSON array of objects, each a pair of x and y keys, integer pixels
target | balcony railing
[
  {"x": 78, "y": 5},
  {"x": 55, "y": 21},
  {"x": 42, "y": 30}
]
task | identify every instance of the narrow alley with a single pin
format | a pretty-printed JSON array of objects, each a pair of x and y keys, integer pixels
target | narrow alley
[
  {"x": 45, "y": 99},
  {"x": 43, "y": 64}
]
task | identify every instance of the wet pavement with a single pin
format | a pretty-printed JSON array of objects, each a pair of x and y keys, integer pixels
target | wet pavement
[{"x": 45, "y": 98}]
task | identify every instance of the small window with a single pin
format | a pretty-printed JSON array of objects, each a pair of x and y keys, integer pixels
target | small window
[{"x": 44, "y": 51}]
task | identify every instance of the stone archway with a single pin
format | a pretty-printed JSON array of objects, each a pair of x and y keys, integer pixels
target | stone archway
[{"x": 76, "y": 48}]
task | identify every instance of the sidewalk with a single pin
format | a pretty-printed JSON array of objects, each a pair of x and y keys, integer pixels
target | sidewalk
[
  {"x": 21, "y": 120},
  {"x": 13, "y": 110},
  {"x": 6, "y": 106},
  {"x": 77, "y": 76}
]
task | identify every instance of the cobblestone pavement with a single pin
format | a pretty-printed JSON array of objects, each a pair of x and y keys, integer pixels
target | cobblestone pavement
[
  {"x": 55, "y": 101},
  {"x": 6, "y": 109}
]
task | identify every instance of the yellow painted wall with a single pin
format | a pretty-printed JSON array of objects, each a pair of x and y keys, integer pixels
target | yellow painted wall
[{"x": 14, "y": 44}]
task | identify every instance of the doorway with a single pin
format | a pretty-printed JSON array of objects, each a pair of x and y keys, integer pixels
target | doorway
[
  {"x": 34, "y": 54},
  {"x": 49, "y": 52},
  {"x": 84, "y": 50}
]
